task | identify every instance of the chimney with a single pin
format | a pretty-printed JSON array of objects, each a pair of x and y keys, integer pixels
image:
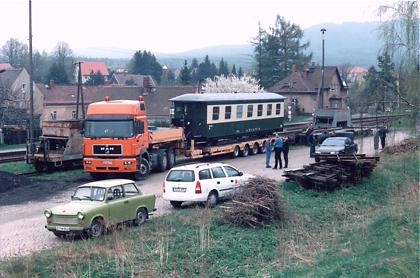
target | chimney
[
  {"x": 52, "y": 83},
  {"x": 294, "y": 68}
]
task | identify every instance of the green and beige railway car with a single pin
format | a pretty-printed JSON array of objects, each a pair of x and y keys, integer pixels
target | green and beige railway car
[{"x": 211, "y": 117}]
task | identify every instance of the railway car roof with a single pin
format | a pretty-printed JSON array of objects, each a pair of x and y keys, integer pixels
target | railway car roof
[{"x": 228, "y": 97}]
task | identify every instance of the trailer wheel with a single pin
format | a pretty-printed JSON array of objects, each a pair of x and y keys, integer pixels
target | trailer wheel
[
  {"x": 171, "y": 159},
  {"x": 162, "y": 162},
  {"x": 236, "y": 151},
  {"x": 261, "y": 149},
  {"x": 245, "y": 151},
  {"x": 254, "y": 150}
]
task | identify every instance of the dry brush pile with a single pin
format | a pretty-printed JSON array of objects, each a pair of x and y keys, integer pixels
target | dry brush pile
[
  {"x": 407, "y": 145},
  {"x": 259, "y": 203}
]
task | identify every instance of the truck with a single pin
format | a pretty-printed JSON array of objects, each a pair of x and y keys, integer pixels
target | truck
[
  {"x": 118, "y": 139},
  {"x": 60, "y": 145}
]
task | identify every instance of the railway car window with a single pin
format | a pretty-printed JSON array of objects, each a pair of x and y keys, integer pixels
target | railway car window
[
  {"x": 204, "y": 174},
  {"x": 250, "y": 110},
  {"x": 269, "y": 109},
  {"x": 239, "y": 110},
  {"x": 216, "y": 111},
  {"x": 259, "y": 110},
  {"x": 218, "y": 172},
  {"x": 228, "y": 111},
  {"x": 278, "y": 108}
]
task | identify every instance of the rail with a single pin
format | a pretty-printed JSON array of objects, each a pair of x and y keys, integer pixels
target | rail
[{"x": 12, "y": 156}]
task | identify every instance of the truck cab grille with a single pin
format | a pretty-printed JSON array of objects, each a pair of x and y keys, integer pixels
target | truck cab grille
[{"x": 107, "y": 149}]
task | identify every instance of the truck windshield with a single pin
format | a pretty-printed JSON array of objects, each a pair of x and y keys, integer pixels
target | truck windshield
[{"x": 108, "y": 129}]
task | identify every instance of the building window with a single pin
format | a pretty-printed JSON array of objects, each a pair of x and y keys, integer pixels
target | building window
[
  {"x": 239, "y": 110},
  {"x": 269, "y": 109},
  {"x": 216, "y": 111},
  {"x": 250, "y": 110},
  {"x": 278, "y": 108},
  {"x": 228, "y": 111},
  {"x": 259, "y": 110},
  {"x": 73, "y": 114},
  {"x": 54, "y": 115}
]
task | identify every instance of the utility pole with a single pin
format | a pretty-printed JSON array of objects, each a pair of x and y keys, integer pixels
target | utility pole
[
  {"x": 79, "y": 92},
  {"x": 31, "y": 86},
  {"x": 321, "y": 88}
]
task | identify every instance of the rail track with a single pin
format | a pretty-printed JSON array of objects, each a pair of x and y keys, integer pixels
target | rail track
[{"x": 289, "y": 129}]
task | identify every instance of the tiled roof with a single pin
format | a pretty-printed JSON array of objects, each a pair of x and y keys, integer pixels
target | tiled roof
[
  {"x": 8, "y": 77},
  {"x": 5, "y": 66},
  {"x": 136, "y": 79},
  {"x": 305, "y": 82},
  {"x": 89, "y": 66},
  {"x": 156, "y": 103}
]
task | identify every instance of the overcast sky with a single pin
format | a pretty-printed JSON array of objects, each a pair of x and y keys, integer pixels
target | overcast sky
[{"x": 165, "y": 25}]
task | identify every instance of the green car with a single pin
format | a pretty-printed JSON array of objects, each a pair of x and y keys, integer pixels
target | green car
[{"x": 99, "y": 205}]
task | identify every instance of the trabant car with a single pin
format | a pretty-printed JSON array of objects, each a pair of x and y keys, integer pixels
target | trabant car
[
  {"x": 96, "y": 206},
  {"x": 202, "y": 182}
]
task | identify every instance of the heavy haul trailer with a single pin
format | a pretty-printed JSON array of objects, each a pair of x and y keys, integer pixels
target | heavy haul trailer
[
  {"x": 118, "y": 140},
  {"x": 60, "y": 145}
]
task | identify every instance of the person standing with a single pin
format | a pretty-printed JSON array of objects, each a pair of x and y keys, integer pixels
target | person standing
[
  {"x": 382, "y": 135},
  {"x": 286, "y": 150},
  {"x": 278, "y": 147},
  {"x": 267, "y": 149},
  {"x": 375, "y": 139}
]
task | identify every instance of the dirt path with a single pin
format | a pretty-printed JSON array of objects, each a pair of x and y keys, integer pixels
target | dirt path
[{"x": 21, "y": 211}]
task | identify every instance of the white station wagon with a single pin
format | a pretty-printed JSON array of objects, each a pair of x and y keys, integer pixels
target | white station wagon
[{"x": 202, "y": 182}]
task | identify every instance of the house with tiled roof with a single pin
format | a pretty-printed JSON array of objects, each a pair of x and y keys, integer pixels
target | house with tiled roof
[
  {"x": 60, "y": 100},
  {"x": 128, "y": 79},
  {"x": 89, "y": 68},
  {"x": 303, "y": 86}
]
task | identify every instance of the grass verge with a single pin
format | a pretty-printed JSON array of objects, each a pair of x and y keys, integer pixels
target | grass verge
[{"x": 366, "y": 230}]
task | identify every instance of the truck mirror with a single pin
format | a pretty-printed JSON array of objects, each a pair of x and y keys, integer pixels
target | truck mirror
[{"x": 82, "y": 126}]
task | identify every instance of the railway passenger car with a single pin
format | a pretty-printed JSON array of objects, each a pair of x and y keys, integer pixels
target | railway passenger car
[{"x": 210, "y": 117}]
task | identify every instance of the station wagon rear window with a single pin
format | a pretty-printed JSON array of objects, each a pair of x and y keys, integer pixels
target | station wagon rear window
[
  {"x": 218, "y": 172},
  {"x": 204, "y": 174},
  {"x": 181, "y": 176}
]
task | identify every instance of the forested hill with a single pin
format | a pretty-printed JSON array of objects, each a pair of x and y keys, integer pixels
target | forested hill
[{"x": 345, "y": 44}]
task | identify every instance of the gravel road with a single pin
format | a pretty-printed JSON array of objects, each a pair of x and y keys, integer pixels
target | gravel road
[{"x": 21, "y": 210}]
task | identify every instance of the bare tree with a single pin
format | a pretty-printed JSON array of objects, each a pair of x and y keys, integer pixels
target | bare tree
[
  {"x": 231, "y": 84},
  {"x": 15, "y": 52},
  {"x": 13, "y": 103}
]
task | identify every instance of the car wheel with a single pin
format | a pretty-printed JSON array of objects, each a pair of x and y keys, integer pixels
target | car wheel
[
  {"x": 245, "y": 151},
  {"x": 176, "y": 204},
  {"x": 171, "y": 159},
  {"x": 162, "y": 162},
  {"x": 212, "y": 200},
  {"x": 236, "y": 151},
  {"x": 254, "y": 150},
  {"x": 141, "y": 216},
  {"x": 97, "y": 228}
]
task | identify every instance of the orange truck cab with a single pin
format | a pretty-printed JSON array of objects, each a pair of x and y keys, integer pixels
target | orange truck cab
[{"x": 117, "y": 139}]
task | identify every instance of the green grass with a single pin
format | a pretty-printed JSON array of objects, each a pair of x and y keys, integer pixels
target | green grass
[
  {"x": 17, "y": 167},
  {"x": 368, "y": 230}
]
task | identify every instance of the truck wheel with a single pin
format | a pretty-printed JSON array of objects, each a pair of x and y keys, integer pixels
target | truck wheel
[
  {"x": 39, "y": 166},
  {"x": 144, "y": 170},
  {"x": 212, "y": 200},
  {"x": 254, "y": 150},
  {"x": 141, "y": 216},
  {"x": 171, "y": 159},
  {"x": 261, "y": 148},
  {"x": 236, "y": 151},
  {"x": 162, "y": 162},
  {"x": 176, "y": 204},
  {"x": 97, "y": 228},
  {"x": 245, "y": 151}
]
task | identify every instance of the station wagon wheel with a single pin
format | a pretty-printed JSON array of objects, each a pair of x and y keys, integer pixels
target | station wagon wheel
[
  {"x": 141, "y": 216},
  {"x": 97, "y": 228},
  {"x": 245, "y": 151},
  {"x": 212, "y": 200},
  {"x": 236, "y": 151},
  {"x": 254, "y": 150}
]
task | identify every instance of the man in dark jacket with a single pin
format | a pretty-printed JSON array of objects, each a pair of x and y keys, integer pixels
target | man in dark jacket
[
  {"x": 286, "y": 150},
  {"x": 382, "y": 135},
  {"x": 278, "y": 147}
]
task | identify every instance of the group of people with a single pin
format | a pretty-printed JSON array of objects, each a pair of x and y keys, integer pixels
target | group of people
[{"x": 281, "y": 145}]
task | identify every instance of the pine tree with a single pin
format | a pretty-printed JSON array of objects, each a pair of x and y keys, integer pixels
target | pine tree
[
  {"x": 233, "y": 70},
  {"x": 205, "y": 69},
  {"x": 145, "y": 63},
  {"x": 240, "y": 72},
  {"x": 223, "y": 68},
  {"x": 185, "y": 75}
]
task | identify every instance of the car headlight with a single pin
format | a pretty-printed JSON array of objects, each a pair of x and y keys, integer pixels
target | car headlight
[
  {"x": 80, "y": 215},
  {"x": 47, "y": 213},
  {"x": 333, "y": 152},
  {"x": 318, "y": 152},
  {"x": 88, "y": 161}
]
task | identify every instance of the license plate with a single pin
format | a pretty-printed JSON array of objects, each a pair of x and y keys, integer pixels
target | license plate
[
  {"x": 179, "y": 189},
  {"x": 62, "y": 228},
  {"x": 107, "y": 162}
]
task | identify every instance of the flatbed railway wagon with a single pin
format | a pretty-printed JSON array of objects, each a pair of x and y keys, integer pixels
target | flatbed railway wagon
[
  {"x": 117, "y": 138},
  {"x": 60, "y": 145}
]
